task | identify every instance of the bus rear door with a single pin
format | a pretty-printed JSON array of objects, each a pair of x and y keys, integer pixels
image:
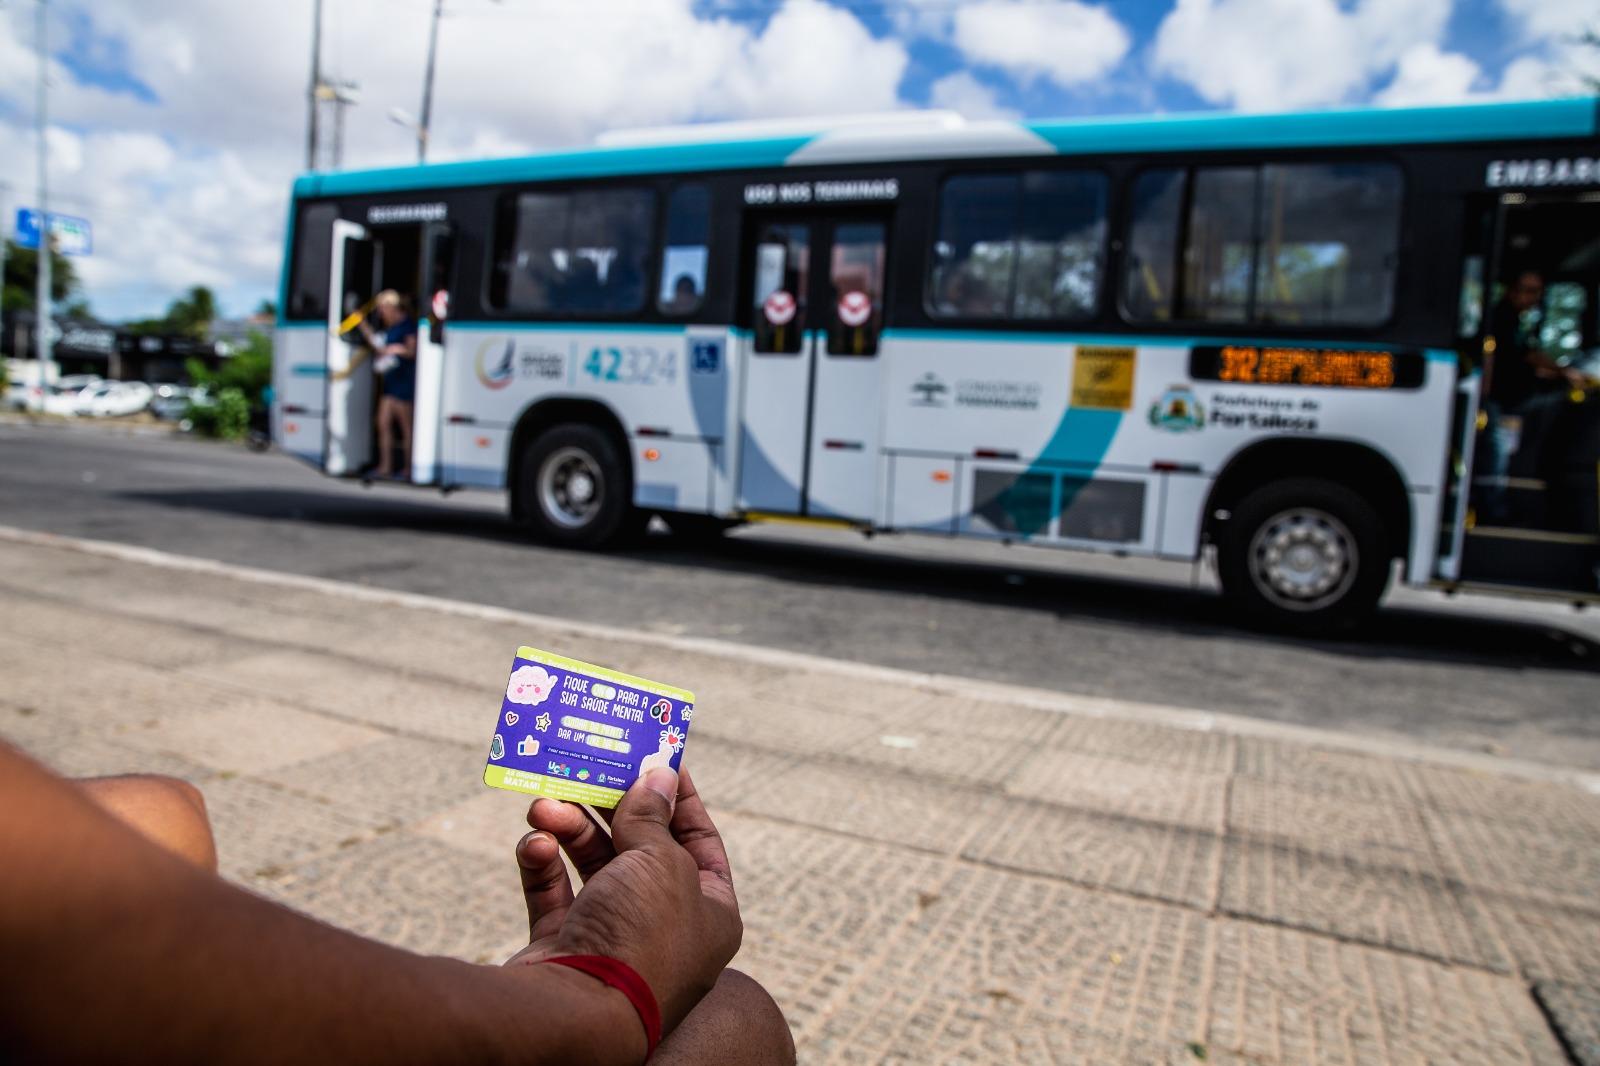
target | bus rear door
[
  {"x": 810, "y": 426},
  {"x": 347, "y": 440}
]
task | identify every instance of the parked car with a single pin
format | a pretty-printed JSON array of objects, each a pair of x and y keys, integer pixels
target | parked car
[
  {"x": 171, "y": 402},
  {"x": 114, "y": 398},
  {"x": 19, "y": 395}
]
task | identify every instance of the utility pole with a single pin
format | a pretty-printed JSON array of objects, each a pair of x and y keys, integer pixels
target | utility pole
[
  {"x": 427, "y": 84},
  {"x": 41, "y": 303},
  {"x": 316, "y": 84}
]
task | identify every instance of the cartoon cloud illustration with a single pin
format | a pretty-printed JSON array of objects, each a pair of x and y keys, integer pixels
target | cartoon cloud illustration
[{"x": 530, "y": 685}]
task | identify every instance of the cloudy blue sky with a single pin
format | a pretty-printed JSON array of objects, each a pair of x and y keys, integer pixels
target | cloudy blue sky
[{"x": 177, "y": 130}]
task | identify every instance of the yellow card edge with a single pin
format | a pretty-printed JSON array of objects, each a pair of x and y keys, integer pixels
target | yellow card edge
[
  {"x": 549, "y": 659},
  {"x": 494, "y": 775}
]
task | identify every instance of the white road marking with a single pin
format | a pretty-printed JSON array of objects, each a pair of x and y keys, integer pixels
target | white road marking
[{"x": 937, "y": 684}]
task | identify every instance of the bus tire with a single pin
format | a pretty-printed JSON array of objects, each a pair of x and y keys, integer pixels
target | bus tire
[
  {"x": 1304, "y": 555},
  {"x": 573, "y": 488}
]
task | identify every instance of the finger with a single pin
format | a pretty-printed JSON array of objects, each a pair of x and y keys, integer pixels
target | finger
[
  {"x": 586, "y": 844},
  {"x": 694, "y": 829},
  {"x": 545, "y": 886},
  {"x": 642, "y": 818}
]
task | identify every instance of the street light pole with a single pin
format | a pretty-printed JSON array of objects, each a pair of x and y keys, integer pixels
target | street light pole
[
  {"x": 316, "y": 83},
  {"x": 41, "y": 301},
  {"x": 427, "y": 84}
]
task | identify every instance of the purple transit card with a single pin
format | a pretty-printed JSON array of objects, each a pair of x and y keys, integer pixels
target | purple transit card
[{"x": 574, "y": 731}]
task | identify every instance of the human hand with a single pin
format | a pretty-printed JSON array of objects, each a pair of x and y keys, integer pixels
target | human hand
[{"x": 657, "y": 892}]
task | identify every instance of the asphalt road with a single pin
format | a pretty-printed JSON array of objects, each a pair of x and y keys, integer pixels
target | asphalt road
[{"x": 1477, "y": 673}]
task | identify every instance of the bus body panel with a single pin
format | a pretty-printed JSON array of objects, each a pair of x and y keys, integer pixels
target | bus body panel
[
  {"x": 1030, "y": 463},
  {"x": 298, "y": 390}
]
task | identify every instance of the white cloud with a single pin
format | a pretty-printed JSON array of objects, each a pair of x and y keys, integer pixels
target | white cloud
[
  {"x": 966, "y": 95},
  {"x": 193, "y": 187},
  {"x": 1428, "y": 76},
  {"x": 1266, "y": 55},
  {"x": 1069, "y": 43},
  {"x": 1544, "y": 19}
]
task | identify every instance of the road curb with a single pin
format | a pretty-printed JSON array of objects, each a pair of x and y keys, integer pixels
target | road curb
[{"x": 942, "y": 684}]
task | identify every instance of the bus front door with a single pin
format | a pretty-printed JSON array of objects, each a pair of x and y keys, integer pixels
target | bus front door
[
  {"x": 814, "y": 307},
  {"x": 347, "y": 441}
]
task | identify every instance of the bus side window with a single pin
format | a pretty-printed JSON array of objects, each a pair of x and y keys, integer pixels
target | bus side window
[
  {"x": 856, "y": 274},
  {"x": 1304, "y": 244},
  {"x": 1149, "y": 284},
  {"x": 1020, "y": 246},
  {"x": 683, "y": 255},
  {"x": 782, "y": 281},
  {"x": 974, "y": 254},
  {"x": 313, "y": 259},
  {"x": 576, "y": 253},
  {"x": 1218, "y": 259}
]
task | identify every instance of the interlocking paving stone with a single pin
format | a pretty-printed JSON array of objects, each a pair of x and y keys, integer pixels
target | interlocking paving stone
[
  {"x": 394, "y": 781},
  {"x": 1575, "y": 1010},
  {"x": 386, "y": 699},
  {"x": 1505, "y": 858},
  {"x": 249, "y": 734},
  {"x": 1392, "y": 907},
  {"x": 489, "y": 823},
  {"x": 1129, "y": 789},
  {"x": 1187, "y": 750},
  {"x": 1310, "y": 769},
  {"x": 88, "y": 753},
  {"x": 1544, "y": 939},
  {"x": 893, "y": 808},
  {"x": 47, "y": 620},
  {"x": 414, "y": 892},
  {"x": 1128, "y": 855},
  {"x": 1282, "y": 996},
  {"x": 1548, "y": 807},
  {"x": 262, "y": 829}
]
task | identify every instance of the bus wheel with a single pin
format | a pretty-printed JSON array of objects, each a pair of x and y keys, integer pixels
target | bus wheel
[
  {"x": 1304, "y": 555},
  {"x": 573, "y": 487}
]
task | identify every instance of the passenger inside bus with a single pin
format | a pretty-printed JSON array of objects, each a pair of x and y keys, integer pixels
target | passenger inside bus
[
  {"x": 1527, "y": 391},
  {"x": 685, "y": 297},
  {"x": 395, "y": 361}
]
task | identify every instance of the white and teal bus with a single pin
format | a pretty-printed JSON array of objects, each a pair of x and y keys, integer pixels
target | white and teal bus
[{"x": 1264, "y": 334}]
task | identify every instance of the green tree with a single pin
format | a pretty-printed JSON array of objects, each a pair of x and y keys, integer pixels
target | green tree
[
  {"x": 193, "y": 313},
  {"x": 267, "y": 309},
  {"x": 235, "y": 388},
  {"x": 22, "y": 278},
  {"x": 190, "y": 315}
]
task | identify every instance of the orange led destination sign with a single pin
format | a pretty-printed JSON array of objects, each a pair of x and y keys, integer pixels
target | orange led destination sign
[{"x": 1329, "y": 368}]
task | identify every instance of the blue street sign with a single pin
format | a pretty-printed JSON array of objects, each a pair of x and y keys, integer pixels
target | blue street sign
[{"x": 72, "y": 235}]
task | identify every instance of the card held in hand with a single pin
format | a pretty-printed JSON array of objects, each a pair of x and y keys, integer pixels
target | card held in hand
[{"x": 574, "y": 731}]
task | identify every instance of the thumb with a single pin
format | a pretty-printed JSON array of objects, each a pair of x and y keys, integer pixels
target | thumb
[{"x": 645, "y": 813}]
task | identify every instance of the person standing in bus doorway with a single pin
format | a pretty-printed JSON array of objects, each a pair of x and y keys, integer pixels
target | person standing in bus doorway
[
  {"x": 395, "y": 361},
  {"x": 1525, "y": 387}
]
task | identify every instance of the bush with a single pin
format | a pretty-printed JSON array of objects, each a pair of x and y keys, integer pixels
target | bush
[{"x": 225, "y": 415}]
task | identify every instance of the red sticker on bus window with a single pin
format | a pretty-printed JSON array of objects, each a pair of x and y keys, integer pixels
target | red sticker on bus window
[
  {"x": 441, "y": 305},
  {"x": 855, "y": 308},
  {"x": 778, "y": 308}
]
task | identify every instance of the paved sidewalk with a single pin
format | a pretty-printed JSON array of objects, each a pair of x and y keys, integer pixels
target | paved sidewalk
[{"x": 930, "y": 872}]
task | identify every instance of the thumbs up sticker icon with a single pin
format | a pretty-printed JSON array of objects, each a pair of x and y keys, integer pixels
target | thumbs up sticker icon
[{"x": 527, "y": 746}]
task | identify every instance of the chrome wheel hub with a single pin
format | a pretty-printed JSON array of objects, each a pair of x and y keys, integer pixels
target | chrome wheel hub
[
  {"x": 571, "y": 487},
  {"x": 1303, "y": 559}
]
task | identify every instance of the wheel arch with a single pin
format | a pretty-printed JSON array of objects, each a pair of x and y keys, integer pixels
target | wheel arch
[
  {"x": 1361, "y": 468},
  {"x": 561, "y": 410}
]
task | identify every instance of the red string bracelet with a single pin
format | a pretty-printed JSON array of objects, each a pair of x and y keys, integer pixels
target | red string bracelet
[{"x": 624, "y": 979}]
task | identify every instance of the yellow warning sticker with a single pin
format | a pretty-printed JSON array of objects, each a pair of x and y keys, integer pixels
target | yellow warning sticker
[{"x": 1103, "y": 377}]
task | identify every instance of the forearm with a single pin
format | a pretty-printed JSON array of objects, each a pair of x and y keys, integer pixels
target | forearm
[{"x": 181, "y": 966}]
